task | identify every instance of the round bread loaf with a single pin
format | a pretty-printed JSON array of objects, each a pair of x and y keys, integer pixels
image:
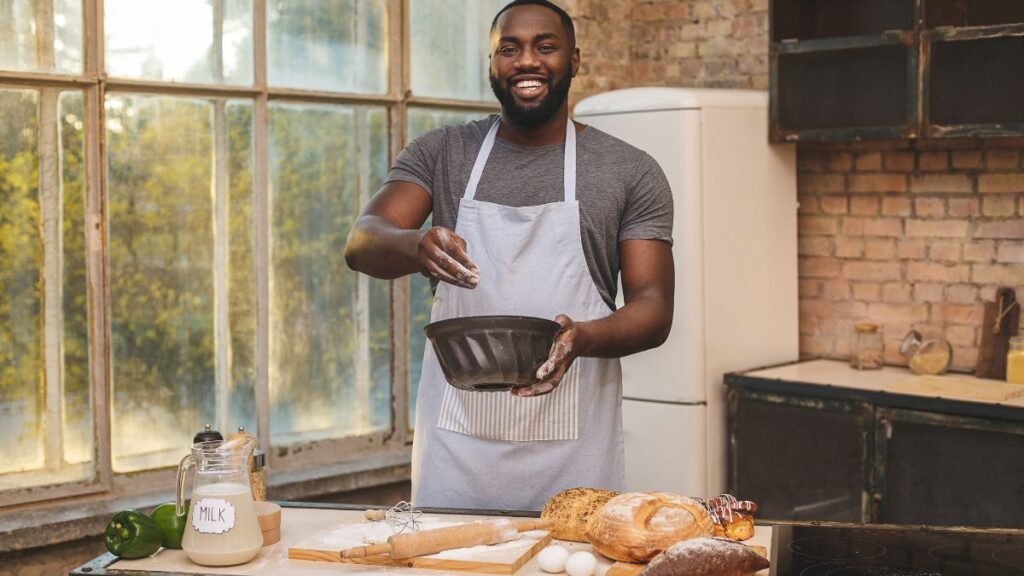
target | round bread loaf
[
  {"x": 572, "y": 509},
  {"x": 635, "y": 527}
]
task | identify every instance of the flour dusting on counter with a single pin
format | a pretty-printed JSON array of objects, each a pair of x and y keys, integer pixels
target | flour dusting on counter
[
  {"x": 353, "y": 535},
  {"x": 524, "y": 542}
]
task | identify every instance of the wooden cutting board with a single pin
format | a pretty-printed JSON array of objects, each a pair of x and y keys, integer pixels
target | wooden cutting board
[
  {"x": 504, "y": 558},
  {"x": 1001, "y": 320}
]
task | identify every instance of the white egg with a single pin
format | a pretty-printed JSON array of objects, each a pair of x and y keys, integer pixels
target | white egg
[
  {"x": 580, "y": 564},
  {"x": 552, "y": 559}
]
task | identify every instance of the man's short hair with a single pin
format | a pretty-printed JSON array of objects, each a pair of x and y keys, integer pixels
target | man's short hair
[{"x": 570, "y": 28}]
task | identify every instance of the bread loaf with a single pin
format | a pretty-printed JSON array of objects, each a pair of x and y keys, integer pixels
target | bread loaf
[
  {"x": 707, "y": 557},
  {"x": 572, "y": 509},
  {"x": 735, "y": 526},
  {"x": 634, "y": 527},
  {"x": 734, "y": 519}
]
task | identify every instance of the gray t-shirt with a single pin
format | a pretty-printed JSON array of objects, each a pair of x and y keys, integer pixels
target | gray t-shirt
[{"x": 623, "y": 193}]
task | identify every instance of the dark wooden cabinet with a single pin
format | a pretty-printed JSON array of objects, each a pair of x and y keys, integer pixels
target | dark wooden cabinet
[
  {"x": 861, "y": 89},
  {"x": 799, "y": 458},
  {"x": 942, "y": 470},
  {"x": 974, "y": 82},
  {"x": 816, "y": 19},
  {"x": 810, "y": 452},
  {"x": 882, "y": 69}
]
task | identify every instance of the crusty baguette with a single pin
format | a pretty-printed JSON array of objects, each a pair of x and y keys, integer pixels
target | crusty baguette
[
  {"x": 572, "y": 509},
  {"x": 634, "y": 527},
  {"x": 707, "y": 557}
]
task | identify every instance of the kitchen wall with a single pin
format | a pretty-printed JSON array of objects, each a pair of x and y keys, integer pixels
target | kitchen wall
[
  {"x": 907, "y": 234},
  {"x": 720, "y": 43}
]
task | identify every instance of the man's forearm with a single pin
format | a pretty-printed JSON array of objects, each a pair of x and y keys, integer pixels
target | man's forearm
[
  {"x": 640, "y": 325},
  {"x": 380, "y": 249}
]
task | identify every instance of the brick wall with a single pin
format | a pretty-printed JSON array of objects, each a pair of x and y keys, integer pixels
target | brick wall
[
  {"x": 706, "y": 43},
  {"x": 908, "y": 235},
  {"x": 907, "y": 238}
]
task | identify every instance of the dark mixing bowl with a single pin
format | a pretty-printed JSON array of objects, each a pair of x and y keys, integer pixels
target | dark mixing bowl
[{"x": 491, "y": 352}]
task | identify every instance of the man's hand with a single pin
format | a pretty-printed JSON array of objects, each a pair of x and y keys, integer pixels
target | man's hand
[
  {"x": 563, "y": 352},
  {"x": 441, "y": 254}
]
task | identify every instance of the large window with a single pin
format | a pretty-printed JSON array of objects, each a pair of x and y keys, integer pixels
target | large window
[
  {"x": 177, "y": 180},
  {"x": 443, "y": 69}
]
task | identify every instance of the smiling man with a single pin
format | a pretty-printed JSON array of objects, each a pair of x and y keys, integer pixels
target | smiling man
[{"x": 533, "y": 215}]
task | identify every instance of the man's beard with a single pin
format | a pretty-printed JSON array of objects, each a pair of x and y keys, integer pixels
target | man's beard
[{"x": 538, "y": 115}]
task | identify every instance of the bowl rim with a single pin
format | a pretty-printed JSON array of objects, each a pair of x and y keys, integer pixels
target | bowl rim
[{"x": 434, "y": 328}]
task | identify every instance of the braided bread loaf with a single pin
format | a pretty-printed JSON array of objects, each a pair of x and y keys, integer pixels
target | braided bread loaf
[
  {"x": 734, "y": 519},
  {"x": 634, "y": 527}
]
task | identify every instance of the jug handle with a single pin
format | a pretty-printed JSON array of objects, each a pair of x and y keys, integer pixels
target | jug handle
[{"x": 179, "y": 500}]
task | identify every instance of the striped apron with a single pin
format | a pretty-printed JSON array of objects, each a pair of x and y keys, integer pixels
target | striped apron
[{"x": 492, "y": 449}]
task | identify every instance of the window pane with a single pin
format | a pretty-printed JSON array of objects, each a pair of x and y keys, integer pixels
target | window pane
[
  {"x": 21, "y": 265},
  {"x": 77, "y": 426},
  {"x": 41, "y": 35},
  {"x": 202, "y": 41},
  {"x": 165, "y": 180},
  {"x": 330, "y": 347},
  {"x": 42, "y": 132},
  {"x": 241, "y": 277},
  {"x": 334, "y": 45},
  {"x": 443, "y": 67},
  {"x": 420, "y": 121}
]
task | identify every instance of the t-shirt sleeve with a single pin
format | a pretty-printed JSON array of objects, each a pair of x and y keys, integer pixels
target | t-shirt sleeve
[
  {"x": 417, "y": 161},
  {"x": 648, "y": 210}
]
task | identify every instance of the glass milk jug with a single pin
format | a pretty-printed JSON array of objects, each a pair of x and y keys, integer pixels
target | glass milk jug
[{"x": 221, "y": 529}]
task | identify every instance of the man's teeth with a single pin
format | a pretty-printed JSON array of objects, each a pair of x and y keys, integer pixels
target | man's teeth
[{"x": 528, "y": 84}]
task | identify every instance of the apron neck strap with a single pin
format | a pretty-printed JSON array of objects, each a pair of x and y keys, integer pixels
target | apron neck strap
[{"x": 569, "y": 169}]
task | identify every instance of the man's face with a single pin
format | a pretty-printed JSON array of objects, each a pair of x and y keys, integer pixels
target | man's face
[{"x": 532, "y": 64}]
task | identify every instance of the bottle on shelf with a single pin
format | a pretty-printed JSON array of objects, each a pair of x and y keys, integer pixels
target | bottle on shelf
[{"x": 1015, "y": 361}]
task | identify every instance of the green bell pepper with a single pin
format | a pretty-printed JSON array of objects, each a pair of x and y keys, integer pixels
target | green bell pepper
[
  {"x": 132, "y": 534},
  {"x": 172, "y": 526}
]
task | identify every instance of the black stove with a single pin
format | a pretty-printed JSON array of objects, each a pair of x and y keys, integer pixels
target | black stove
[{"x": 845, "y": 550}]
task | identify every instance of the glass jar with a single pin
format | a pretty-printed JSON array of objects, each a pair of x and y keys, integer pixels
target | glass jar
[
  {"x": 258, "y": 475},
  {"x": 1015, "y": 361},
  {"x": 866, "y": 346},
  {"x": 929, "y": 357}
]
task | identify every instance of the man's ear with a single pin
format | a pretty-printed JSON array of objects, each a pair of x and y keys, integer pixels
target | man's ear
[{"x": 575, "y": 59}]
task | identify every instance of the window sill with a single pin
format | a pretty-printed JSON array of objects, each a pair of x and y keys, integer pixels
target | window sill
[{"x": 38, "y": 525}]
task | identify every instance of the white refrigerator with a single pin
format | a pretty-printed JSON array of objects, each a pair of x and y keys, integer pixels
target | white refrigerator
[{"x": 735, "y": 252}]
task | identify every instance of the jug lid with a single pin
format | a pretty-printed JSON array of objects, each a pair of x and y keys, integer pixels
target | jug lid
[{"x": 207, "y": 435}]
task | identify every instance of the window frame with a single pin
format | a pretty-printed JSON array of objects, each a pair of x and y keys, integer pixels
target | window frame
[{"x": 94, "y": 84}]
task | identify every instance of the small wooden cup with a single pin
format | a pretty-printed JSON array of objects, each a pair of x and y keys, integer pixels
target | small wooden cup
[
  {"x": 272, "y": 536},
  {"x": 269, "y": 516}
]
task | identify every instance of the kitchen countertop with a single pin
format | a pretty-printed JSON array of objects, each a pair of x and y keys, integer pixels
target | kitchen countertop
[
  {"x": 299, "y": 521},
  {"x": 890, "y": 386},
  {"x": 795, "y": 549}
]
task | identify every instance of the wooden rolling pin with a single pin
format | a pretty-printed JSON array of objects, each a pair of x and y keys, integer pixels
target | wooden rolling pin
[{"x": 449, "y": 538}]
